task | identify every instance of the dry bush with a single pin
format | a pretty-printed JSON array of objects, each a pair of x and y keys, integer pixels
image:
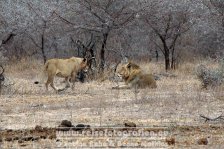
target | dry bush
[
  {"x": 210, "y": 77},
  {"x": 3, "y": 59}
]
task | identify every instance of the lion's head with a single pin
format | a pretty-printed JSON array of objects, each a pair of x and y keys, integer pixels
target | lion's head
[
  {"x": 126, "y": 70},
  {"x": 133, "y": 76}
]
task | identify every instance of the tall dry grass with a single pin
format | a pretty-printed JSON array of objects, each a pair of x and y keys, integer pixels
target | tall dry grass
[
  {"x": 25, "y": 72},
  {"x": 20, "y": 76},
  {"x": 26, "y": 67},
  {"x": 29, "y": 67}
]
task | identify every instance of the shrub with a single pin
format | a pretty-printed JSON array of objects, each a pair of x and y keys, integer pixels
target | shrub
[
  {"x": 3, "y": 59},
  {"x": 209, "y": 77}
]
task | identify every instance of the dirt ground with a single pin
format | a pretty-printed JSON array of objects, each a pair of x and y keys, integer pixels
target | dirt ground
[{"x": 175, "y": 105}]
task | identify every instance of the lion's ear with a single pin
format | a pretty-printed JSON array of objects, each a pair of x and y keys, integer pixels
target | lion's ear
[
  {"x": 129, "y": 65},
  {"x": 125, "y": 60}
]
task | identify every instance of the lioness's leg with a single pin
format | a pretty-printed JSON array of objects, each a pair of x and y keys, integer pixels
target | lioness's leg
[
  {"x": 67, "y": 82},
  {"x": 52, "y": 85},
  {"x": 67, "y": 85},
  {"x": 50, "y": 81},
  {"x": 46, "y": 85},
  {"x": 73, "y": 77},
  {"x": 73, "y": 84}
]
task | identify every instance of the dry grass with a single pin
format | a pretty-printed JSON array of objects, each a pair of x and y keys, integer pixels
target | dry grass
[
  {"x": 25, "y": 66},
  {"x": 177, "y": 100}
]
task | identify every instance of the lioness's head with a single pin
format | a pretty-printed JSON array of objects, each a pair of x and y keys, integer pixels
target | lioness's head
[
  {"x": 125, "y": 70},
  {"x": 84, "y": 65}
]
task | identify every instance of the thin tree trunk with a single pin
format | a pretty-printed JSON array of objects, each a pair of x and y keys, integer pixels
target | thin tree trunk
[
  {"x": 167, "y": 60},
  {"x": 173, "y": 60},
  {"x": 42, "y": 49},
  {"x": 102, "y": 52},
  {"x": 173, "y": 64},
  {"x": 92, "y": 54},
  {"x": 157, "y": 56},
  {"x": 166, "y": 55},
  {"x": 42, "y": 43}
]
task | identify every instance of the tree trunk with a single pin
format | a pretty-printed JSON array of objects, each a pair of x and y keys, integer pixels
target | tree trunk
[
  {"x": 42, "y": 43},
  {"x": 93, "y": 55},
  {"x": 167, "y": 61},
  {"x": 42, "y": 49},
  {"x": 166, "y": 55},
  {"x": 102, "y": 52},
  {"x": 173, "y": 60},
  {"x": 173, "y": 64},
  {"x": 157, "y": 56}
]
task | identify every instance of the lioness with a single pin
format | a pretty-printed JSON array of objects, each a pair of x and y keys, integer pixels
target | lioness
[
  {"x": 133, "y": 77},
  {"x": 65, "y": 68}
]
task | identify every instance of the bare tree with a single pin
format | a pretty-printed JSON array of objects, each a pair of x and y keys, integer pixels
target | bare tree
[
  {"x": 41, "y": 29},
  {"x": 168, "y": 26},
  {"x": 102, "y": 18},
  {"x": 213, "y": 40}
]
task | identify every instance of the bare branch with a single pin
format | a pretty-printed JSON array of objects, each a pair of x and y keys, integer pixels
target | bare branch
[
  {"x": 31, "y": 8},
  {"x": 155, "y": 30},
  {"x": 95, "y": 29},
  {"x": 161, "y": 49},
  {"x": 92, "y": 12},
  {"x": 212, "y": 119},
  {"x": 9, "y": 37},
  {"x": 168, "y": 25},
  {"x": 34, "y": 42}
]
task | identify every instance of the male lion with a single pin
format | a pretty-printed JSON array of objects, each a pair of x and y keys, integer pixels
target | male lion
[
  {"x": 133, "y": 77},
  {"x": 65, "y": 68}
]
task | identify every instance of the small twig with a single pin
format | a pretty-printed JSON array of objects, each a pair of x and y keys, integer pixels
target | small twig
[{"x": 212, "y": 119}]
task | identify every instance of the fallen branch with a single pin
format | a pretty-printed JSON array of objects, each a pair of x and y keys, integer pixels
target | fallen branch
[{"x": 212, "y": 119}]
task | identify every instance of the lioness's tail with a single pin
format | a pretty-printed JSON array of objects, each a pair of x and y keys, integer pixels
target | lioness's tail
[
  {"x": 45, "y": 70},
  {"x": 46, "y": 67},
  {"x": 43, "y": 74}
]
